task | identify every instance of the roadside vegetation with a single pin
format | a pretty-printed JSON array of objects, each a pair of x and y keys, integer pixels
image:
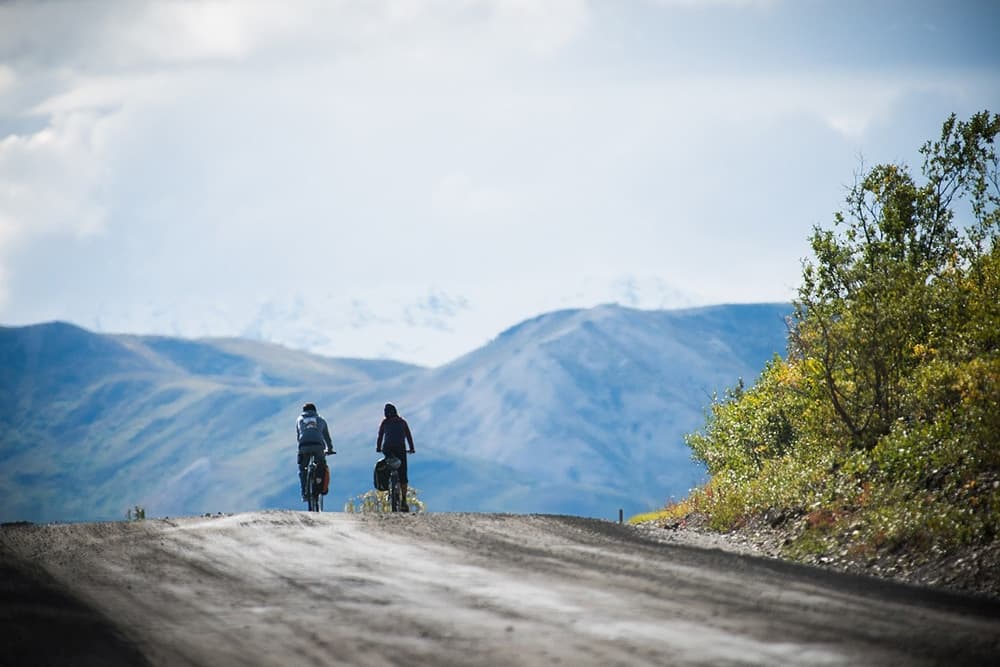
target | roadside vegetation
[
  {"x": 879, "y": 431},
  {"x": 377, "y": 502}
]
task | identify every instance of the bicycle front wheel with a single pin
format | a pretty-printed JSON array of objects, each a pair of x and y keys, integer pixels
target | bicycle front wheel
[
  {"x": 311, "y": 490},
  {"x": 394, "y": 498}
]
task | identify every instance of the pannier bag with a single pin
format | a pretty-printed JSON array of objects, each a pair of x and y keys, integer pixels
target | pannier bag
[{"x": 381, "y": 475}]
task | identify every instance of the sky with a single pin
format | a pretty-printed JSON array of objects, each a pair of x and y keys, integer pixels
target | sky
[{"x": 406, "y": 179}]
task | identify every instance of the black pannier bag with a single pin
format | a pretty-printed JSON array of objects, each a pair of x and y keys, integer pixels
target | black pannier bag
[{"x": 381, "y": 475}]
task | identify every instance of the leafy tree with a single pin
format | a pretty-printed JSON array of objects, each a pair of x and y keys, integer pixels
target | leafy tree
[
  {"x": 886, "y": 410},
  {"x": 885, "y": 283}
]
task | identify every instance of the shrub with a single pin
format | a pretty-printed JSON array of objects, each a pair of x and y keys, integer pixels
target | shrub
[
  {"x": 377, "y": 502},
  {"x": 883, "y": 420}
]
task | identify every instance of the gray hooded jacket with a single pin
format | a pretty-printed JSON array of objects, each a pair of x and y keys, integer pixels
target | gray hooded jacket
[{"x": 311, "y": 429}]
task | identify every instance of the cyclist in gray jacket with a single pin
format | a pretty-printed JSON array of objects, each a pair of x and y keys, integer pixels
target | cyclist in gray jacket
[{"x": 314, "y": 438}]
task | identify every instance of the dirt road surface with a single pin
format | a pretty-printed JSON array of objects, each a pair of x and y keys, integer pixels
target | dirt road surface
[{"x": 292, "y": 588}]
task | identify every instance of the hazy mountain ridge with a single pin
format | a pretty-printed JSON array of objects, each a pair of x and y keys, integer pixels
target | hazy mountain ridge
[{"x": 578, "y": 411}]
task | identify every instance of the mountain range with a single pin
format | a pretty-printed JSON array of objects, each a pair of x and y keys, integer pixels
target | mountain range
[{"x": 574, "y": 412}]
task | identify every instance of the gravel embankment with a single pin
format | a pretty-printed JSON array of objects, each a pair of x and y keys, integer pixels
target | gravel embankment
[{"x": 974, "y": 570}]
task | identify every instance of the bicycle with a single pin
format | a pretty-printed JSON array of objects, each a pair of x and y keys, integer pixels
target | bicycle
[
  {"x": 315, "y": 481},
  {"x": 395, "y": 493}
]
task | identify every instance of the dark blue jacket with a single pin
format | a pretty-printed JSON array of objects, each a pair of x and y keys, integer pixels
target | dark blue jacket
[{"x": 393, "y": 434}]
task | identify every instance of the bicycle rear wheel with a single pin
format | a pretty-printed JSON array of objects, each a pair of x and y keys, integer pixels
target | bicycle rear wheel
[
  {"x": 312, "y": 490},
  {"x": 394, "y": 496}
]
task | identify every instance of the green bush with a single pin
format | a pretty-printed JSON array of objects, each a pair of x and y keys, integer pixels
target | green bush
[{"x": 883, "y": 421}]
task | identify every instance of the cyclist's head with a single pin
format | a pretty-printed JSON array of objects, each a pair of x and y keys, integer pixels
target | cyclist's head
[
  {"x": 309, "y": 407},
  {"x": 390, "y": 410}
]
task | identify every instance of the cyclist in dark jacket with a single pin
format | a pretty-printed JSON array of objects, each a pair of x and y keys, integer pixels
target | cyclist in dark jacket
[
  {"x": 314, "y": 438},
  {"x": 393, "y": 435}
]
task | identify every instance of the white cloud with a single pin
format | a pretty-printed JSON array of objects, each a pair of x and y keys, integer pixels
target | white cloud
[
  {"x": 848, "y": 104},
  {"x": 7, "y": 78},
  {"x": 443, "y": 165},
  {"x": 543, "y": 27},
  {"x": 695, "y": 4},
  {"x": 49, "y": 184},
  {"x": 207, "y": 30},
  {"x": 457, "y": 197},
  {"x": 51, "y": 180}
]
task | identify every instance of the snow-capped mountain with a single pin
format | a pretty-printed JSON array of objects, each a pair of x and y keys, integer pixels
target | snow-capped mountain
[{"x": 420, "y": 324}]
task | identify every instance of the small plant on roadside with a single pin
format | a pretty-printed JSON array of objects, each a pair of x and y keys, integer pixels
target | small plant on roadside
[
  {"x": 672, "y": 511},
  {"x": 646, "y": 517},
  {"x": 377, "y": 502},
  {"x": 136, "y": 513}
]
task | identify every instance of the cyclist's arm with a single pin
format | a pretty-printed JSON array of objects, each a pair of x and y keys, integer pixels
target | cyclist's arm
[
  {"x": 381, "y": 434},
  {"x": 409, "y": 436},
  {"x": 326, "y": 436}
]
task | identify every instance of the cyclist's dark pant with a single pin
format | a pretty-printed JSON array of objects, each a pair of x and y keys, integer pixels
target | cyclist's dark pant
[
  {"x": 399, "y": 453},
  {"x": 304, "y": 452}
]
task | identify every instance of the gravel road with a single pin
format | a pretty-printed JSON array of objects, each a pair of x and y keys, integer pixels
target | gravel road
[{"x": 292, "y": 588}]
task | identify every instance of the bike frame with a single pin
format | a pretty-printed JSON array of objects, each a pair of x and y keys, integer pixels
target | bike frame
[
  {"x": 314, "y": 496},
  {"x": 395, "y": 501}
]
